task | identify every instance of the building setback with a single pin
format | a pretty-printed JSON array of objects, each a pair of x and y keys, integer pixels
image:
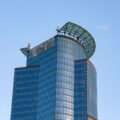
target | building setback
[{"x": 59, "y": 81}]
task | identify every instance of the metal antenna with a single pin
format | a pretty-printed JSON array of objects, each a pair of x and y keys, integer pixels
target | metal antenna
[
  {"x": 58, "y": 29},
  {"x": 28, "y": 46}
]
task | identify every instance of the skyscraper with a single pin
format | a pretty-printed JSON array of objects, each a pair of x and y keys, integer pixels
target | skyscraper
[{"x": 58, "y": 82}]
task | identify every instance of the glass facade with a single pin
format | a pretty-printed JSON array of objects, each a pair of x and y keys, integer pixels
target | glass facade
[
  {"x": 45, "y": 99},
  {"x": 47, "y": 77},
  {"x": 85, "y": 91},
  {"x": 67, "y": 51},
  {"x": 25, "y": 93},
  {"x": 58, "y": 82}
]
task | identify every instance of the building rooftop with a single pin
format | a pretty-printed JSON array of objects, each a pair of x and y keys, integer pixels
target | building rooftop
[{"x": 74, "y": 31}]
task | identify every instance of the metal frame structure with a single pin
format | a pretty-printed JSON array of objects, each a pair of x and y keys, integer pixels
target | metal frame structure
[
  {"x": 80, "y": 35},
  {"x": 42, "y": 47},
  {"x": 39, "y": 48}
]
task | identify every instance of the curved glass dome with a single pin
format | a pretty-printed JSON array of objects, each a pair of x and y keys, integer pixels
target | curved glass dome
[{"x": 81, "y": 35}]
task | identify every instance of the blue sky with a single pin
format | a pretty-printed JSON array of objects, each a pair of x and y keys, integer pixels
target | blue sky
[{"x": 34, "y": 21}]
